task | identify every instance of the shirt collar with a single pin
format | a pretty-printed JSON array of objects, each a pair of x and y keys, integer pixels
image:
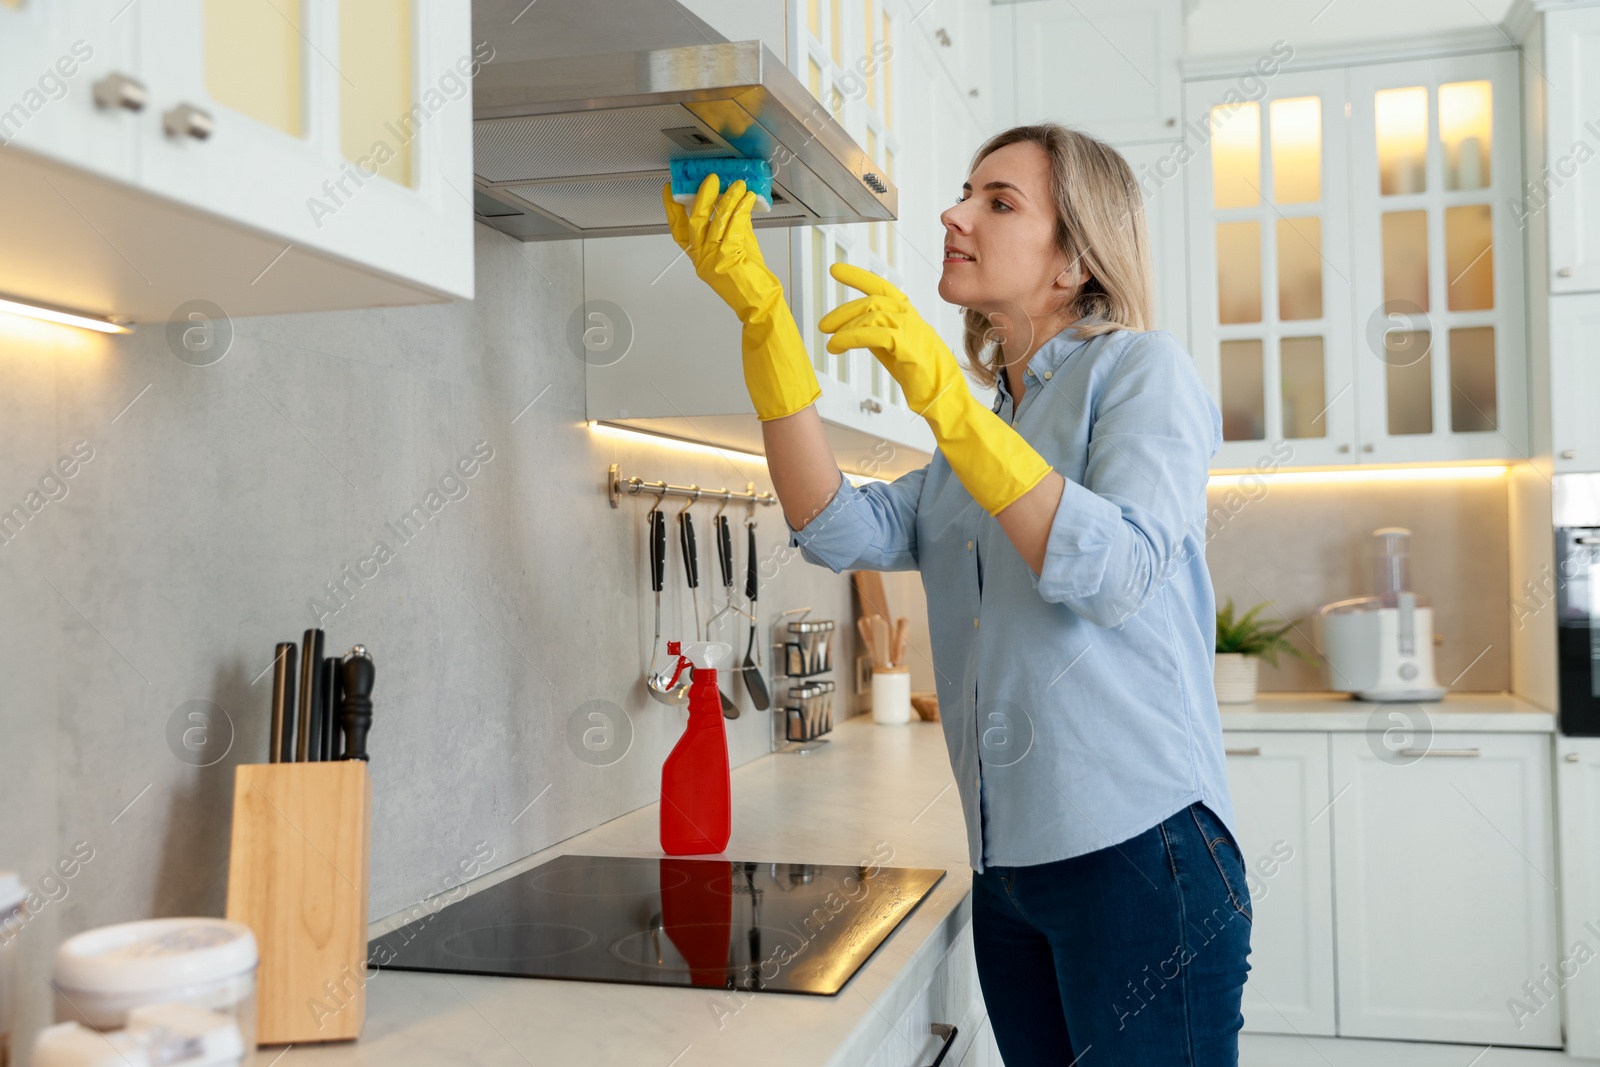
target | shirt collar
[{"x": 1051, "y": 355}]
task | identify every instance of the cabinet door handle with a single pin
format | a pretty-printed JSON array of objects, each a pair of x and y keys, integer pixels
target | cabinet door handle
[
  {"x": 1571, "y": 757},
  {"x": 947, "y": 1031},
  {"x": 1564, "y": 272},
  {"x": 1253, "y": 750},
  {"x": 1567, "y": 453},
  {"x": 1367, "y": 447},
  {"x": 1440, "y": 752},
  {"x": 186, "y": 120},
  {"x": 119, "y": 90},
  {"x": 869, "y": 404}
]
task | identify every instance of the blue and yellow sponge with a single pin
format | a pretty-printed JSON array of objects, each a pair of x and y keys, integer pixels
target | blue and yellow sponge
[{"x": 687, "y": 174}]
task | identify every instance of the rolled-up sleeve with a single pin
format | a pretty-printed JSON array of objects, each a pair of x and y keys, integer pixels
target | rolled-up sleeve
[
  {"x": 867, "y": 527},
  {"x": 1115, "y": 537}
]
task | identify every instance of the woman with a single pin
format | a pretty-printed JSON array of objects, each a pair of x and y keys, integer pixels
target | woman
[{"x": 1061, "y": 541}]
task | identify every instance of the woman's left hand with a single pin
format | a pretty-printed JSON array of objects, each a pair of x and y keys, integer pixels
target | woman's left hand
[
  {"x": 993, "y": 461},
  {"x": 885, "y": 324}
]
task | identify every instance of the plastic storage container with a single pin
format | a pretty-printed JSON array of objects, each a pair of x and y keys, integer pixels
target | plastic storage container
[
  {"x": 101, "y": 975},
  {"x": 13, "y": 913},
  {"x": 168, "y": 1035}
]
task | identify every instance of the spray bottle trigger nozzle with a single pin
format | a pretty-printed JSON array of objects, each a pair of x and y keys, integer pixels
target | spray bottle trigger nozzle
[{"x": 675, "y": 648}]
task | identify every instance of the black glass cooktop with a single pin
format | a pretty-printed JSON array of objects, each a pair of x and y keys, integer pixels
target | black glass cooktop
[{"x": 722, "y": 924}]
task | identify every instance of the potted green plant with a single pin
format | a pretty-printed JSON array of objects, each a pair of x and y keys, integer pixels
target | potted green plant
[{"x": 1239, "y": 643}]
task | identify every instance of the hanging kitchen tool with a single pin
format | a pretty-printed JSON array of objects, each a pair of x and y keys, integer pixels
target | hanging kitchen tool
[
  {"x": 753, "y": 682},
  {"x": 724, "y": 540},
  {"x": 691, "y": 561},
  {"x": 656, "y": 682}
]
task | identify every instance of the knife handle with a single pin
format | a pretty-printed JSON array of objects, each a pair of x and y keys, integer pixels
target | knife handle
[
  {"x": 691, "y": 558},
  {"x": 725, "y": 550},
  {"x": 750, "y": 568},
  {"x": 310, "y": 657},
  {"x": 283, "y": 704},
  {"x": 355, "y": 710},
  {"x": 658, "y": 548}
]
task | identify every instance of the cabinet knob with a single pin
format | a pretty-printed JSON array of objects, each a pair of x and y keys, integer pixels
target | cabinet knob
[
  {"x": 973, "y": 91},
  {"x": 944, "y": 38},
  {"x": 186, "y": 120},
  {"x": 1172, "y": 122},
  {"x": 1571, "y": 757},
  {"x": 119, "y": 90},
  {"x": 1567, "y": 453},
  {"x": 869, "y": 404},
  {"x": 1564, "y": 272},
  {"x": 1344, "y": 448},
  {"x": 1367, "y": 447}
]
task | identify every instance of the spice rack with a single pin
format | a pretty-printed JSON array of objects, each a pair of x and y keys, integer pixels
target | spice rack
[{"x": 803, "y": 654}]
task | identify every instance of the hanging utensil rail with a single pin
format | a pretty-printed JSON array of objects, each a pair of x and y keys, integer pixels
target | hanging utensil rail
[{"x": 616, "y": 486}]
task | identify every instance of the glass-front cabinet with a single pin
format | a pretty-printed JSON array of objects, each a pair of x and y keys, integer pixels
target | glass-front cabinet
[
  {"x": 1270, "y": 269},
  {"x": 1439, "y": 302},
  {"x": 1355, "y": 270}
]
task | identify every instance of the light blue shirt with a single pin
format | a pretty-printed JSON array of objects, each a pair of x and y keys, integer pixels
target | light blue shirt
[{"x": 1078, "y": 705}]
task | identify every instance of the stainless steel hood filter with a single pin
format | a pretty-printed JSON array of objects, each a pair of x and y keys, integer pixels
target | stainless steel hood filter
[{"x": 568, "y": 144}]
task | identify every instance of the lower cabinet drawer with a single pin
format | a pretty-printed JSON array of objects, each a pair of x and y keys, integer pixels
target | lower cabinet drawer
[{"x": 951, "y": 998}]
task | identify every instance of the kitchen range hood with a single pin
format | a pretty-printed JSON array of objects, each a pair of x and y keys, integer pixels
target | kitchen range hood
[{"x": 585, "y": 101}]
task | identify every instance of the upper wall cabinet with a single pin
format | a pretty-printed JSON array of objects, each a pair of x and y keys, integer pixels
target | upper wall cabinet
[
  {"x": 263, "y": 156},
  {"x": 1570, "y": 190},
  {"x": 1107, "y": 67},
  {"x": 1357, "y": 272},
  {"x": 1270, "y": 267}
]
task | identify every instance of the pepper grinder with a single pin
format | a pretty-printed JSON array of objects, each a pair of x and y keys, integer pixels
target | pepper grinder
[{"x": 355, "y": 709}]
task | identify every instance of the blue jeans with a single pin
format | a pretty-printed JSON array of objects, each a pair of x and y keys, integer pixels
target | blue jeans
[{"x": 1135, "y": 951}]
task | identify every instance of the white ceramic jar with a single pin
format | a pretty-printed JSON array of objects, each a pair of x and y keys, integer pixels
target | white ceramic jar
[
  {"x": 102, "y": 974},
  {"x": 891, "y": 695}
]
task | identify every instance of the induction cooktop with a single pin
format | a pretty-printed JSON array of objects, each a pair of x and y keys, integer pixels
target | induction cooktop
[{"x": 721, "y": 924}]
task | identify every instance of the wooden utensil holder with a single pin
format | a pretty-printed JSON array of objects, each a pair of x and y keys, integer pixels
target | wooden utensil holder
[{"x": 297, "y": 876}]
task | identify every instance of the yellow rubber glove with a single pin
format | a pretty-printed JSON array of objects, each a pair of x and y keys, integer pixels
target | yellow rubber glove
[
  {"x": 777, "y": 370},
  {"x": 992, "y": 460}
]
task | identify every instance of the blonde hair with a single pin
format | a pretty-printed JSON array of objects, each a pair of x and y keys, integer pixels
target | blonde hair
[{"x": 1100, "y": 218}]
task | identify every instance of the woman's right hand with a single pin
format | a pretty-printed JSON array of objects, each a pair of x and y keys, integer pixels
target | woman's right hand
[
  {"x": 723, "y": 248},
  {"x": 722, "y": 245}
]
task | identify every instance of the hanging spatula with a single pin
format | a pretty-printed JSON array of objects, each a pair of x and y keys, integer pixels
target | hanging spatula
[{"x": 753, "y": 682}]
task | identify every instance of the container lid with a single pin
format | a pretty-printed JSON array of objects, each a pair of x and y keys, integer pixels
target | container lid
[
  {"x": 155, "y": 954},
  {"x": 12, "y": 892}
]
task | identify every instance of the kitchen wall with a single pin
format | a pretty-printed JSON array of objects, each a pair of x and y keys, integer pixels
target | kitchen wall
[{"x": 216, "y": 508}]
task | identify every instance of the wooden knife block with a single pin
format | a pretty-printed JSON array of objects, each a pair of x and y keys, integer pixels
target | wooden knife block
[{"x": 297, "y": 876}]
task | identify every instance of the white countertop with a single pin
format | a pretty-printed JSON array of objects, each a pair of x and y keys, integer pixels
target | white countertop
[
  {"x": 1489, "y": 712},
  {"x": 869, "y": 784}
]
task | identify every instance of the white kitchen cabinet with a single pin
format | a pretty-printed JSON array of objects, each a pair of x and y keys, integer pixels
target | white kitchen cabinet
[
  {"x": 983, "y": 1052},
  {"x": 1269, "y": 265},
  {"x": 1444, "y": 887},
  {"x": 1437, "y": 276},
  {"x": 1575, "y": 381},
  {"x": 961, "y": 32},
  {"x": 1107, "y": 67},
  {"x": 1356, "y": 271},
  {"x": 952, "y": 997},
  {"x": 1158, "y": 169},
  {"x": 52, "y": 57},
  {"x": 1567, "y": 191},
  {"x": 1578, "y": 817},
  {"x": 262, "y": 157},
  {"x": 1279, "y": 784}
]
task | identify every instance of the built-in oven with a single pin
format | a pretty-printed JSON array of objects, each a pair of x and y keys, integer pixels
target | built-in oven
[{"x": 1576, "y": 507}]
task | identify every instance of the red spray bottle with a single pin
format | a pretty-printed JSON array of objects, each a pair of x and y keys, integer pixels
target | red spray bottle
[{"x": 696, "y": 789}]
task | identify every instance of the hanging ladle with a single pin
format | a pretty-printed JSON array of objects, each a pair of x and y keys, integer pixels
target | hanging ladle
[{"x": 658, "y": 684}]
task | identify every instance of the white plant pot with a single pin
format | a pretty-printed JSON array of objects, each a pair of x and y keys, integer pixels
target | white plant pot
[{"x": 1235, "y": 676}]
